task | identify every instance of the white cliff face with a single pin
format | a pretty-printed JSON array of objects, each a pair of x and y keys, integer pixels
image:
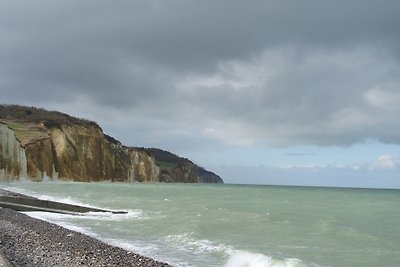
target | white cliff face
[
  {"x": 13, "y": 163},
  {"x": 143, "y": 167}
]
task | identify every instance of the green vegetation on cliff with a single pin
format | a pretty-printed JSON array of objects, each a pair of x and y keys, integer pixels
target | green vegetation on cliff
[
  {"x": 50, "y": 119},
  {"x": 185, "y": 171}
]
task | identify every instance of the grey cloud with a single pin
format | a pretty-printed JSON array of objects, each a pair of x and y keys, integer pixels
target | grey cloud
[
  {"x": 326, "y": 97},
  {"x": 282, "y": 71}
]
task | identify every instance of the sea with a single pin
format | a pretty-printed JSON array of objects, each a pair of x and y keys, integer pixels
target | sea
[{"x": 234, "y": 225}]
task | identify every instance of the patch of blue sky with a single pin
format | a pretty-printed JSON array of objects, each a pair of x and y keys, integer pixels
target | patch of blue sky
[{"x": 361, "y": 153}]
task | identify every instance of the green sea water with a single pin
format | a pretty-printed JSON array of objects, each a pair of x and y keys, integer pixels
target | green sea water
[{"x": 235, "y": 225}]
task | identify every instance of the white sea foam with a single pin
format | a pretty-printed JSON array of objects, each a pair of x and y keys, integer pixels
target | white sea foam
[
  {"x": 145, "y": 248},
  {"x": 247, "y": 259},
  {"x": 195, "y": 246},
  {"x": 134, "y": 246},
  {"x": 59, "y": 219},
  {"x": 102, "y": 216},
  {"x": 109, "y": 216}
]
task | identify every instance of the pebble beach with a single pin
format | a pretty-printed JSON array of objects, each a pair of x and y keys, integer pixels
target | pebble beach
[{"x": 26, "y": 241}]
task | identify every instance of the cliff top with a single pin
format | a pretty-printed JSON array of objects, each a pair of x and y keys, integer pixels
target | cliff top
[
  {"x": 49, "y": 119},
  {"x": 32, "y": 124}
]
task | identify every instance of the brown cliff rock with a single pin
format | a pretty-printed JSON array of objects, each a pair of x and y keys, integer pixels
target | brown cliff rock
[
  {"x": 177, "y": 169},
  {"x": 36, "y": 143}
]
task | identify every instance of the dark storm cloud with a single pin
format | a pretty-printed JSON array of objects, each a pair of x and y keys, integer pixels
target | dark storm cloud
[{"x": 315, "y": 72}]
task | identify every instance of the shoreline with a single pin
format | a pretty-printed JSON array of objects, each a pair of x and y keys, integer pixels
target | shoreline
[{"x": 27, "y": 241}]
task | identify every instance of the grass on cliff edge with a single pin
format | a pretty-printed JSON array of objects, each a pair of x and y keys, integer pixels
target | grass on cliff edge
[
  {"x": 164, "y": 165},
  {"x": 16, "y": 126},
  {"x": 40, "y": 115},
  {"x": 27, "y": 132}
]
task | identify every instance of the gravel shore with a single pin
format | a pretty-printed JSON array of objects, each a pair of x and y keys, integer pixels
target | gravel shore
[{"x": 26, "y": 241}]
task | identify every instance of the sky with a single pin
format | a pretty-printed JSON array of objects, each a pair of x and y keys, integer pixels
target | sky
[{"x": 260, "y": 91}]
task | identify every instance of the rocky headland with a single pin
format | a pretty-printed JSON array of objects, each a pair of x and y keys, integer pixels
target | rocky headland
[{"x": 37, "y": 144}]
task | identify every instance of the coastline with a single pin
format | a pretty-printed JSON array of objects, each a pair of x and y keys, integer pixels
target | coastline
[{"x": 26, "y": 241}]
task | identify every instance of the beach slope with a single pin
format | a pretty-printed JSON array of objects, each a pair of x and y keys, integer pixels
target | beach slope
[{"x": 26, "y": 241}]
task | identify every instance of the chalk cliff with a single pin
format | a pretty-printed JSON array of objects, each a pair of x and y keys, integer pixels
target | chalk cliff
[{"x": 36, "y": 143}]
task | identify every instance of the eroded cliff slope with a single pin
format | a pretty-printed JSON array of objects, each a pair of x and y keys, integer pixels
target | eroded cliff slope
[
  {"x": 36, "y": 143},
  {"x": 177, "y": 169}
]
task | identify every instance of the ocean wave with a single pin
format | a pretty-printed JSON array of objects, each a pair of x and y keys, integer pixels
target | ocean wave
[
  {"x": 98, "y": 216},
  {"x": 187, "y": 242},
  {"x": 234, "y": 258},
  {"x": 109, "y": 216},
  {"x": 247, "y": 259}
]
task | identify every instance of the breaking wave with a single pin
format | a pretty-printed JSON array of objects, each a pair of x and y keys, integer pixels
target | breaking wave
[
  {"x": 247, "y": 259},
  {"x": 234, "y": 258},
  {"x": 192, "y": 245}
]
